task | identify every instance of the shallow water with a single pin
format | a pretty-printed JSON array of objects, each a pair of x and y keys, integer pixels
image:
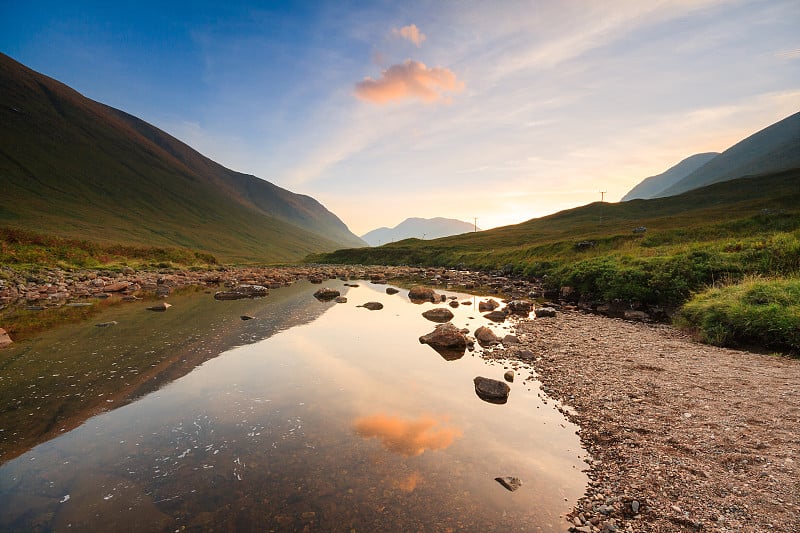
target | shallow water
[{"x": 341, "y": 422}]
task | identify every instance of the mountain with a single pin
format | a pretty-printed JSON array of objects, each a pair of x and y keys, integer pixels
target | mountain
[
  {"x": 73, "y": 167},
  {"x": 420, "y": 228},
  {"x": 653, "y": 185},
  {"x": 773, "y": 149}
]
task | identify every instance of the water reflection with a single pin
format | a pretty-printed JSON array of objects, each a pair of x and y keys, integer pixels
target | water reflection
[
  {"x": 407, "y": 437},
  {"x": 272, "y": 435}
]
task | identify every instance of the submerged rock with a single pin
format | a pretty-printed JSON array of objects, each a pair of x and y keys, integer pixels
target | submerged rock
[
  {"x": 438, "y": 314},
  {"x": 163, "y": 306},
  {"x": 326, "y": 294},
  {"x": 491, "y": 390},
  {"x": 449, "y": 341},
  {"x": 5, "y": 340},
  {"x": 509, "y": 482},
  {"x": 106, "y": 324},
  {"x": 372, "y": 306},
  {"x": 422, "y": 294}
]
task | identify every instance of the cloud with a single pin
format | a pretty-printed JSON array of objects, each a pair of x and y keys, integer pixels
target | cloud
[
  {"x": 410, "y": 33},
  {"x": 406, "y": 437},
  {"x": 408, "y": 80}
]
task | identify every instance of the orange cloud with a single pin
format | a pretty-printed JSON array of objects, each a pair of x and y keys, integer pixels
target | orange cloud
[
  {"x": 410, "y": 33},
  {"x": 406, "y": 437},
  {"x": 410, "y": 79}
]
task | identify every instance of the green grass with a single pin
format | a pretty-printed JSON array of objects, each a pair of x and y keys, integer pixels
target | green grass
[{"x": 755, "y": 311}]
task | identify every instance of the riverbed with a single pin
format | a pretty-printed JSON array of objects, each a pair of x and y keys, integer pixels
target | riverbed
[{"x": 313, "y": 415}]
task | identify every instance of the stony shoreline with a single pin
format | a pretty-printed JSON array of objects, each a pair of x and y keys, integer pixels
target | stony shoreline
[{"x": 683, "y": 436}]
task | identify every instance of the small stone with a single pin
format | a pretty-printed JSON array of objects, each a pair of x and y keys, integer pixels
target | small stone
[
  {"x": 491, "y": 390},
  {"x": 247, "y": 317},
  {"x": 635, "y": 506},
  {"x": 509, "y": 376},
  {"x": 326, "y": 294},
  {"x": 163, "y": 306},
  {"x": 391, "y": 290},
  {"x": 544, "y": 312},
  {"x": 340, "y": 300},
  {"x": 372, "y": 306},
  {"x": 106, "y": 324},
  {"x": 438, "y": 314},
  {"x": 509, "y": 482}
]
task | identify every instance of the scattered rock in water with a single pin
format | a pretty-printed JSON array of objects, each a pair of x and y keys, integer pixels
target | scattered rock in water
[
  {"x": 5, "y": 340},
  {"x": 391, "y": 290},
  {"x": 241, "y": 292},
  {"x": 247, "y": 317},
  {"x": 438, "y": 314},
  {"x": 486, "y": 337},
  {"x": 106, "y": 324},
  {"x": 491, "y": 390},
  {"x": 372, "y": 306},
  {"x": 454, "y": 304},
  {"x": 130, "y": 298},
  {"x": 509, "y": 482},
  {"x": 326, "y": 294},
  {"x": 351, "y": 284},
  {"x": 488, "y": 305},
  {"x": 163, "y": 306},
  {"x": 419, "y": 294},
  {"x": 520, "y": 307},
  {"x": 509, "y": 376},
  {"x": 341, "y": 300},
  {"x": 496, "y": 316},
  {"x": 545, "y": 312},
  {"x": 466, "y": 302},
  {"x": 449, "y": 341}
]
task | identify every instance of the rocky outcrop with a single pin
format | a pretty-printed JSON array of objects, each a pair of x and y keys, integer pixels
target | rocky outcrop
[
  {"x": 491, "y": 390},
  {"x": 438, "y": 314},
  {"x": 449, "y": 341}
]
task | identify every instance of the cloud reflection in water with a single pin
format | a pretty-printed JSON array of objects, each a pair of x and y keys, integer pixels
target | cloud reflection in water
[{"x": 407, "y": 437}]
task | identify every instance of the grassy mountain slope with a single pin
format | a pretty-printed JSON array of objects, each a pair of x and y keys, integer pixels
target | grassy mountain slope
[
  {"x": 773, "y": 149},
  {"x": 749, "y": 225},
  {"x": 72, "y": 167},
  {"x": 650, "y": 187}
]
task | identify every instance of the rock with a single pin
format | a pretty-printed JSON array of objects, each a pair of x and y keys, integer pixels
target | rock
[
  {"x": 544, "y": 312},
  {"x": 526, "y": 355},
  {"x": 241, "y": 292},
  {"x": 635, "y": 506},
  {"x": 510, "y": 339},
  {"x": 340, "y": 300},
  {"x": 520, "y": 307},
  {"x": 449, "y": 341},
  {"x": 488, "y": 305},
  {"x": 496, "y": 316},
  {"x": 372, "y": 306},
  {"x": 511, "y": 483},
  {"x": 116, "y": 287},
  {"x": 163, "y": 306},
  {"x": 326, "y": 294},
  {"x": 422, "y": 294},
  {"x": 491, "y": 390},
  {"x": 247, "y": 317},
  {"x": 509, "y": 376},
  {"x": 391, "y": 290},
  {"x": 5, "y": 340},
  {"x": 106, "y": 324},
  {"x": 454, "y": 304},
  {"x": 438, "y": 314},
  {"x": 486, "y": 337}
]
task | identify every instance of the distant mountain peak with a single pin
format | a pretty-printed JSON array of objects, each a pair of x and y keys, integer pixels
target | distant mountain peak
[
  {"x": 653, "y": 185},
  {"x": 419, "y": 228}
]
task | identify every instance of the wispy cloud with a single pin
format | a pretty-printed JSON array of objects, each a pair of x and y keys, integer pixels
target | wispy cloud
[
  {"x": 410, "y": 33},
  {"x": 409, "y": 80}
]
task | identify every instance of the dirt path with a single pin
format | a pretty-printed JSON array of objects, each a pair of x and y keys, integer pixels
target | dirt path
[{"x": 695, "y": 437}]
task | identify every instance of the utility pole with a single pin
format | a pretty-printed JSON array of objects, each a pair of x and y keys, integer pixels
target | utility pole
[
  {"x": 476, "y": 223},
  {"x": 602, "y": 198},
  {"x": 603, "y": 195}
]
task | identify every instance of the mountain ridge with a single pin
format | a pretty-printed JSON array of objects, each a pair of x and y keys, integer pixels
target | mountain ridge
[
  {"x": 428, "y": 228},
  {"x": 657, "y": 183},
  {"x": 74, "y": 167}
]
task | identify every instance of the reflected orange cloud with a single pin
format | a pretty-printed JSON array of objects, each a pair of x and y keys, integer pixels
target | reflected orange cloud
[
  {"x": 406, "y": 437},
  {"x": 410, "y": 33},
  {"x": 410, "y": 79}
]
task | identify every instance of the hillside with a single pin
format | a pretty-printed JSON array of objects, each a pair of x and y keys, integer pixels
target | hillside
[
  {"x": 421, "y": 228},
  {"x": 73, "y": 167},
  {"x": 650, "y": 187},
  {"x": 773, "y": 149}
]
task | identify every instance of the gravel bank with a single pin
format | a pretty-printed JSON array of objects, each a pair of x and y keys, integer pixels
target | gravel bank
[{"x": 694, "y": 437}]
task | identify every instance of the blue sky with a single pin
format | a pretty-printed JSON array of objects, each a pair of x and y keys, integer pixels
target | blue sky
[{"x": 502, "y": 111}]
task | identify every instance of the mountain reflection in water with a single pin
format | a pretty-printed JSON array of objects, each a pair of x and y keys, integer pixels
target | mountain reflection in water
[{"x": 343, "y": 422}]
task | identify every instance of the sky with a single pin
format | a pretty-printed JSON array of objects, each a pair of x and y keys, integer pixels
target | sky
[{"x": 497, "y": 111}]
